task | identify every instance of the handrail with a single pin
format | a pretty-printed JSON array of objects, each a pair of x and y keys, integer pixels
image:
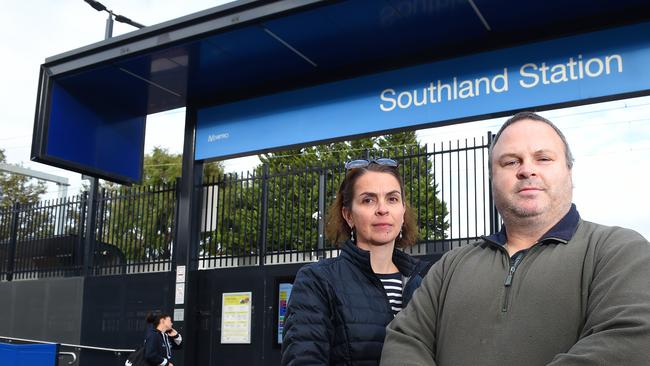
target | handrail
[
  {"x": 72, "y": 354},
  {"x": 119, "y": 350}
]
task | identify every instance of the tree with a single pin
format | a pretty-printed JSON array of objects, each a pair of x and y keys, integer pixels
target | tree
[
  {"x": 140, "y": 219},
  {"x": 15, "y": 188},
  {"x": 292, "y": 189}
]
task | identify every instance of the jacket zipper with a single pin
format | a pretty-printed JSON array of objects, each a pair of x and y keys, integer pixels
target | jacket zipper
[
  {"x": 508, "y": 282},
  {"x": 513, "y": 265}
]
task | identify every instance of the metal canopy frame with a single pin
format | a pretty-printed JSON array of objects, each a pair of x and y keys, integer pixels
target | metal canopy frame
[
  {"x": 92, "y": 102},
  {"x": 97, "y": 97}
]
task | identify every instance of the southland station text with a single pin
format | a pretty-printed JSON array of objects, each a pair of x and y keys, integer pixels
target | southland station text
[{"x": 529, "y": 76}]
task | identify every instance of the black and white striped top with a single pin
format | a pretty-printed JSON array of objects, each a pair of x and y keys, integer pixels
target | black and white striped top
[{"x": 393, "y": 286}]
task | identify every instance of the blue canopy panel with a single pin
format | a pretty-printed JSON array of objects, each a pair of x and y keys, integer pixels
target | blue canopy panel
[{"x": 93, "y": 102}]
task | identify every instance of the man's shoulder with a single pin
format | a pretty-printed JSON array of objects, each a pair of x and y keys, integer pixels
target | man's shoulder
[
  {"x": 594, "y": 232},
  {"x": 605, "y": 239}
]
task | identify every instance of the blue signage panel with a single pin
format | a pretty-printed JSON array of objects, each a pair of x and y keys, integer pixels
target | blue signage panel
[
  {"x": 569, "y": 69},
  {"x": 28, "y": 354}
]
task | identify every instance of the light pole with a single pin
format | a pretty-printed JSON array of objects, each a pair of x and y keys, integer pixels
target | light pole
[
  {"x": 91, "y": 216},
  {"x": 109, "y": 21}
]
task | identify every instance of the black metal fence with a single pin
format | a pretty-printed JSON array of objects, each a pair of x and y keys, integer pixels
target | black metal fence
[
  {"x": 133, "y": 232},
  {"x": 41, "y": 240},
  {"x": 139, "y": 223},
  {"x": 274, "y": 217},
  {"x": 258, "y": 218}
]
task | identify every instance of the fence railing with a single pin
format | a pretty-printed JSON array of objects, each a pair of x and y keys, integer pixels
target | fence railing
[
  {"x": 274, "y": 217},
  {"x": 139, "y": 223},
  {"x": 134, "y": 232},
  {"x": 41, "y": 240},
  {"x": 257, "y": 218}
]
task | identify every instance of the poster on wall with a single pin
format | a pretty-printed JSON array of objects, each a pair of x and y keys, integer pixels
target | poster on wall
[
  {"x": 283, "y": 300},
  {"x": 236, "y": 317}
]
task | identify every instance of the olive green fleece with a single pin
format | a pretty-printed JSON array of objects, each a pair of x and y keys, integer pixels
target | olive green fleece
[{"x": 583, "y": 302}]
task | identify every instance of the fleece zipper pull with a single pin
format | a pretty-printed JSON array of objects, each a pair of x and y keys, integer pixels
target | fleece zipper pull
[
  {"x": 508, "y": 282},
  {"x": 513, "y": 267}
]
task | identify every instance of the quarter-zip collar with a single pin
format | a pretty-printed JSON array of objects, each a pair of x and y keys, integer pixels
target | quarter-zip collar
[
  {"x": 406, "y": 264},
  {"x": 561, "y": 232}
]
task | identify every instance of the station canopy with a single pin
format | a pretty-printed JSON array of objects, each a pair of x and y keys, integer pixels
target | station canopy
[{"x": 93, "y": 101}]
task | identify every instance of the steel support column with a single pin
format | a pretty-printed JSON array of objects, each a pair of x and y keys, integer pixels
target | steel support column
[{"x": 187, "y": 240}]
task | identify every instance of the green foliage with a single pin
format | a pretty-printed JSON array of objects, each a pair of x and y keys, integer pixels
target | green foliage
[
  {"x": 140, "y": 219},
  {"x": 292, "y": 178},
  {"x": 15, "y": 188}
]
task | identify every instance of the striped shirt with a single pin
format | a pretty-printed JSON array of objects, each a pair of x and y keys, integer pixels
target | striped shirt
[{"x": 393, "y": 286}]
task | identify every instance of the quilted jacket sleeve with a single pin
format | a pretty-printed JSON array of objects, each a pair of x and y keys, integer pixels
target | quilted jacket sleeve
[{"x": 308, "y": 326}]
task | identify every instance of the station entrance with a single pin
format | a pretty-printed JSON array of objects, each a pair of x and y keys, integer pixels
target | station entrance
[{"x": 262, "y": 77}]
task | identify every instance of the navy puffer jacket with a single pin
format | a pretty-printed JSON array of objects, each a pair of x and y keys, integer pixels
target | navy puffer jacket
[{"x": 338, "y": 309}]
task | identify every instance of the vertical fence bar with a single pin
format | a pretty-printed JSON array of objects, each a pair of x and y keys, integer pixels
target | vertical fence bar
[
  {"x": 321, "y": 211},
  {"x": 158, "y": 219},
  {"x": 494, "y": 215},
  {"x": 101, "y": 207},
  {"x": 89, "y": 245},
  {"x": 11, "y": 252},
  {"x": 135, "y": 239},
  {"x": 475, "y": 190},
  {"x": 466, "y": 190},
  {"x": 254, "y": 203},
  {"x": 207, "y": 208},
  {"x": 29, "y": 214},
  {"x": 261, "y": 242},
  {"x": 274, "y": 210},
  {"x": 143, "y": 227},
  {"x": 221, "y": 214},
  {"x": 292, "y": 209},
  {"x": 174, "y": 220},
  {"x": 283, "y": 233},
  {"x": 83, "y": 211}
]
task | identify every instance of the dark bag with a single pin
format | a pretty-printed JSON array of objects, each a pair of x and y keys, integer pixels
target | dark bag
[{"x": 136, "y": 358}]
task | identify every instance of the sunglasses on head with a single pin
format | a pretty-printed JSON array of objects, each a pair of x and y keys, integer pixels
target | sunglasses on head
[{"x": 362, "y": 163}]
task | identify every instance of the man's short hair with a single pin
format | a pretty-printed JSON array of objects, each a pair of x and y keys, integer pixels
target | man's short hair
[{"x": 535, "y": 117}]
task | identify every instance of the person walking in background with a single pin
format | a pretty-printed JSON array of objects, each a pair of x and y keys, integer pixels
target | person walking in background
[
  {"x": 549, "y": 289},
  {"x": 339, "y": 307},
  {"x": 161, "y": 338}
]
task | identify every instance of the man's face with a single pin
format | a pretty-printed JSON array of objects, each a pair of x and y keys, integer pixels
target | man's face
[{"x": 530, "y": 175}]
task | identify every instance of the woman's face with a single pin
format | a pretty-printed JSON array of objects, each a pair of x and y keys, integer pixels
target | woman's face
[
  {"x": 377, "y": 210},
  {"x": 166, "y": 323}
]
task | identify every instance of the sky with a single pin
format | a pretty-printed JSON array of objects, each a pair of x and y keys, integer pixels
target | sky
[
  {"x": 33, "y": 30},
  {"x": 610, "y": 141}
]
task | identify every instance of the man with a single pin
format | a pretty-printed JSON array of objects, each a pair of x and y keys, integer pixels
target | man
[{"x": 548, "y": 289}]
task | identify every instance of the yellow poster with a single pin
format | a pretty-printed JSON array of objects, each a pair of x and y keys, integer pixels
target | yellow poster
[{"x": 236, "y": 317}]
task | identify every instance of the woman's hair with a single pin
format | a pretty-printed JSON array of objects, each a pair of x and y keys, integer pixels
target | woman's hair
[
  {"x": 155, "y": 317},
  {"x": 338, "y": 230}
]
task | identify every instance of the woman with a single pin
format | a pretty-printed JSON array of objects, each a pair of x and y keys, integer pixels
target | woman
[
  {"x": 339, "y": 307},
  {"x": 161, "y": 339}
]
